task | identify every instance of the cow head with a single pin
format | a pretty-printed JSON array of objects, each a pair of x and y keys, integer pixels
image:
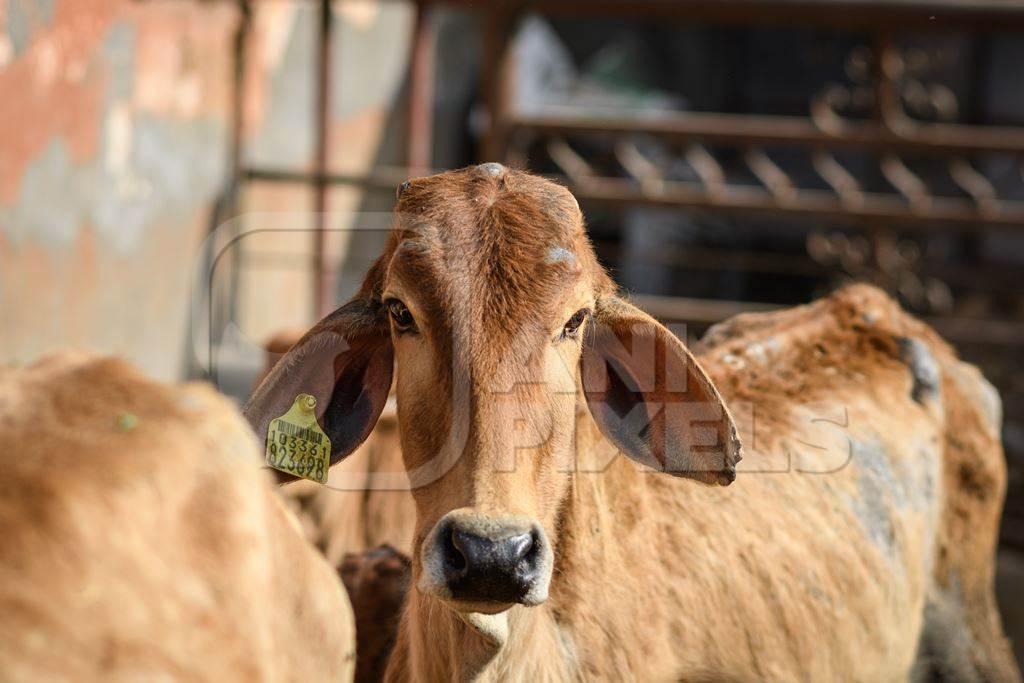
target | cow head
[{"x": 504, "y": 332}]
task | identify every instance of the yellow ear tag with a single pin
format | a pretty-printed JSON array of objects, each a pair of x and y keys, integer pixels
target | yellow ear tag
[{"x": 296, "y": 444}]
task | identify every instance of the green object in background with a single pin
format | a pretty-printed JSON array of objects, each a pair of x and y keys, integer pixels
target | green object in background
[{"x": 127, "y": 422}]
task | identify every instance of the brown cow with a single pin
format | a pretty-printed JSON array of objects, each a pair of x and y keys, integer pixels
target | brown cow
[
  {"x": 377, "y": 582},
  {"x": 143, "y": 541},
  {"x": 856, "y": 545}
]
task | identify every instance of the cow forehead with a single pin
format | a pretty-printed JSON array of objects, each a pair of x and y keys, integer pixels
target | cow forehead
[
  {"x": 472, "y": 208},
  {"x": 450, "y": 198},
  {"x": 500, "y": 249}
]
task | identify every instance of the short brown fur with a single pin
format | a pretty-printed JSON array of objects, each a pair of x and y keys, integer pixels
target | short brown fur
[
  {"x": 856, "y": 543},
  {"x": 143, "y": 541}
]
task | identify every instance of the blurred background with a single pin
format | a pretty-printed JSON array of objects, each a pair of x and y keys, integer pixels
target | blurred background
[{"x": 182, "y": 180}]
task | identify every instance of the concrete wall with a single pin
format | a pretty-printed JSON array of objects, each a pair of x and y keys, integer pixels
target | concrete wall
[
  {"x": 112, "y": 129},
  {"x": 369, "y": 66},
  {"x": 113, "y": 146}
]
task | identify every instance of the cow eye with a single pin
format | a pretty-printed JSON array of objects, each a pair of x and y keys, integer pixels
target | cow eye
[
  {"x": 400, "y": 316},
  {"x": 573, "y": 324}
]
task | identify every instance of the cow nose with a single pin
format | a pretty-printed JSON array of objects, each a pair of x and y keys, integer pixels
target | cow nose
[
  {"x": 490, "y": 567},
  {"x": 471, "y": 558}
]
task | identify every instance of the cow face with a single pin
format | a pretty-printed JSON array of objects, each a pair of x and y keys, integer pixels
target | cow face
[{"x": 505, "y": 333}]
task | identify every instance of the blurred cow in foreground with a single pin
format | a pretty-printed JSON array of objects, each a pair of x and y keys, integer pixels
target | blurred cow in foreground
[
  {"x": 143, "y": 541},
  {"x": 856, "y": 544}
]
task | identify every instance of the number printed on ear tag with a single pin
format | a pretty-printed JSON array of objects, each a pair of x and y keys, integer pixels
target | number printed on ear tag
[{"x": 296, "y": 444}]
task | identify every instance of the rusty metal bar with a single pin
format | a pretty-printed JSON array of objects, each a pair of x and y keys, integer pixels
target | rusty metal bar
[
  {"x": 887, "y": 111},
  {"x": 770, "y": 175},
  {"x": 681, "y": 309},
  {"x": 384, "y": 177},
  {"x": 848, "y": 14},
  {"x": 955, "y": 214},
  {"x": 714, "y": 258},
  {"x": 823, "y": 113},
  {"x": 239, "y": 53},
  {"x": 321, "y": 292},
  {"x": 497, "y": 77},
  {"x": 885, "y": 70},
  {"x": 975, "y": 184},
  {"x": 988, "y": 277},
  {"x": 838, "y": 178},
  {"x": 568, "y": 160},
  {"x": 708, "y": 169},
  {"x": 420, "y": 130},
  {"x": 990, "y": 15},
  {"x": 797, "y": 131},
  {"x": 229, "y": 207},
  {"x": 906, "y": 181},
  {"x": 874, "y": 208},
  {"x": 637, "y": 165}
]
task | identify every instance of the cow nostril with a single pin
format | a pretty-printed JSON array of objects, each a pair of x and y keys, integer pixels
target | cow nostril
[
  {"x": 489, "y": 564},
  {"x": 454, "y": 553},
  {"x": 521, "y": 547}
]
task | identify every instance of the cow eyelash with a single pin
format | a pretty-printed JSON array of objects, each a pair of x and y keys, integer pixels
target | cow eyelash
[
  {"x": 401, "y": 317},
  {"x": 572, "y": 326}
]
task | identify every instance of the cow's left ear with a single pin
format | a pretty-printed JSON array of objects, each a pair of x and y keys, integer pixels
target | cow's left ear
[
  {"x": 345, "y": 364},
  {"x": 651, "y": 398}
]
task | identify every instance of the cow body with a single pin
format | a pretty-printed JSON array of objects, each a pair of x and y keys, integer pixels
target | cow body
[
  {"x": 143, "y": 540},
  {"x": 854, "y": 542}
]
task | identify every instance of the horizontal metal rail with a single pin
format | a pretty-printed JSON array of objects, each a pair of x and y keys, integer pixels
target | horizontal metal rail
[
  {"x": 992, "y": 15},
  {"x": 387, "y": 177},
  {"x": 873, "y": 208},
  {"x": 792, "y": 131},
  {"x": 983, "y": 277},
  {"x": 954, "y": 214}
]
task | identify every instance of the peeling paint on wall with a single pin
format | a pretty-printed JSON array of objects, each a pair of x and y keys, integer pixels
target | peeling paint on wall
[
  {"x": 114, "y": 160},
  {"x": 148, "y": 167},
  {"x": 113, "y": 140},
  {"x": 24, "y": 19}
]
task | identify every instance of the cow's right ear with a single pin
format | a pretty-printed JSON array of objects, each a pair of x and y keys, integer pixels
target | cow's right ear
[
  {"x": 651, "y": 398},
  {"x": 345, "y": 362}
]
